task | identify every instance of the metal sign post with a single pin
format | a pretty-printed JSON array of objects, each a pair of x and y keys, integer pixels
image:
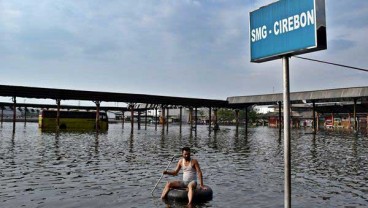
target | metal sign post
[
  {"x": 287, "y": 161},
  {"x": 283, "y": 29}
]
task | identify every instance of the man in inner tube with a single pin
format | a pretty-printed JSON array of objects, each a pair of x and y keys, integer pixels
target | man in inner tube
[{"x": 190, "y": 170}]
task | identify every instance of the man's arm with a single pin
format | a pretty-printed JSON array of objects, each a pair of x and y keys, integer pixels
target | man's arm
[
  {"x": 176, "y": 171},
  {"x": 199, "y": 172}
]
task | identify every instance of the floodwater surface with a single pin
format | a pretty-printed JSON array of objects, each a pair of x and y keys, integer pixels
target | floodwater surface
[{"x": 119, "y": 169}]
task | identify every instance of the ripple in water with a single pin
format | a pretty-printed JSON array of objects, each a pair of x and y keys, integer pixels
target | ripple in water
[{"x": 117, "y": 169}]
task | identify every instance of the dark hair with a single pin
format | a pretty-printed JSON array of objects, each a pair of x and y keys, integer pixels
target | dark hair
[{"x": 185, "y": 149}]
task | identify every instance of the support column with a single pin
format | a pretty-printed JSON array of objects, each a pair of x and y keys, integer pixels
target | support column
[
  {"x": 314, "y": 117},
  {"x": 25, "y": 116},
  {"x": 317, "y": 128},
  {"x": 237, "y": 118},
  {"x": 191, "y": 118},
  {"x": 162, "y": 118},
  {"x": 216, "y": 125},
  {"x": 2, "y": 114},
  {"x": 122, "y": 119},
  {"x": 210, "y": 119},
  {"x": 280, "y": 116},
  {"x": 246, "y": 120},
  {"x": 98, "y": 115},
  {"x": 180, "y": 117},
  {"x": 14, "y": 112},
  {"x": 58, "y": 114},
  {"x": 287, "y": 151},
  {"x": 131, "y": 118},
  {"x": 156, "y": 119},
  {"x": 355, "y": 116},
  {"x": 139, "y": 120},
  {"x": 196, "y": 118},
  {"x": 167, "y": 119},
  {"x": 145, "y": 120}
]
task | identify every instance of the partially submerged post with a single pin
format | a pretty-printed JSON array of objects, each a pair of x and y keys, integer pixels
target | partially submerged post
[
  {"x": 131, "y": 118},
  {"x": 2, "y": 114},
  {"x": 14, "y": 112},
  {"x": 122, "y": 119},
  {"x": 287, "y": 152},
  {"x": 196, "y": 118},
  {"x": 139, "y": 119},
  {"x": 25, "y": 116},
  {"x": 210, "y": 119},
  {"x": 237, "y": 119},
  {"x": 98, "y": 115},
  {"x": 246, "y": 120},
  {"x": 145, "y": 120},
  {"x": 180, "y": 117},
  {"x": 314, "y": 118},
  {"x": 156, "y": 118},
  {"x": 167, "y": 120},
  {"x": 191, "y": 118},
  {"x": 58, "y": 114},
  {"x": 355, "y": 116},
  {"x": 216, "y": 125},
  {"x": 162, "y": 118}
]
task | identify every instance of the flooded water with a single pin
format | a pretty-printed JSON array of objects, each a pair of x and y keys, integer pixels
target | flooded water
[{"x": 117, "y": 169}]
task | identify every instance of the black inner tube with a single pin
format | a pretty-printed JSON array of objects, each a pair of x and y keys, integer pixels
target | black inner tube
[{"x": 200, "y": 195}]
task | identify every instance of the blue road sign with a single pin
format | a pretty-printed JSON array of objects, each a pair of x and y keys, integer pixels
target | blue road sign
[{"x": 287, "y": 27}]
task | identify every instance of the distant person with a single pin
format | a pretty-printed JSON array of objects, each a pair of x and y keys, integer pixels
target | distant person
[{"x": 190, "y": 170}]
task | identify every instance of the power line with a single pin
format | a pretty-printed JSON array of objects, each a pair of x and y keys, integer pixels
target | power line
[{"x": 325, "y": 62}]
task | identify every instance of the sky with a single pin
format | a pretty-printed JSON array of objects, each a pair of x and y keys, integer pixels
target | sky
[{"x": 183, "y": 48}]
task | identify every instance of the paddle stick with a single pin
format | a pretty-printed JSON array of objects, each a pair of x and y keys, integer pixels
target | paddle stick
[{"x": 162, "y": 174}]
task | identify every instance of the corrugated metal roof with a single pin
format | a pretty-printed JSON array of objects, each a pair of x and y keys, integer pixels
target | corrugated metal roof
[{"x": 331, "y": 95}]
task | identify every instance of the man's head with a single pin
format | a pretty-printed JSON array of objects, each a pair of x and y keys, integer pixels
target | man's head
[{"x": 185, "y": 152}]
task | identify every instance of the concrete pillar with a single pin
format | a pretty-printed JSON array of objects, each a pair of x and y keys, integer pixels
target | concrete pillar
[
  {"x": 191, "y": 117},
  {"x": 122, "y": 119},
  {"x": 98, "y": 115},
  {"x": 58, "y": 114},
  {"x": 145, "y": 120},
  {"x": 355, "y": 116},
  {"x": 317, "y": 124},
  {"x": 25, "y": 116},
  {"x": 2, "y": 114},
  {"x": 196, "y": 118},
  {"x": 210, "y": 118},
  {"x": 216, "y": 125},
  {"x": 246, "y": 120},
  {"x": 139, "y": 120},
  {"x": 167, "y": 120},
  {"x": 314, "y": 118},
  {"x": 132, "y": 118},
  {"x": 156, "y": 119},
  {"x": 180, "y": 117},
  {"x": 162, "y": 118},
  {"x": 280, "y": 117},
  {"x": 237, "y": 118},
  {"x": 14, "y": 112}
]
